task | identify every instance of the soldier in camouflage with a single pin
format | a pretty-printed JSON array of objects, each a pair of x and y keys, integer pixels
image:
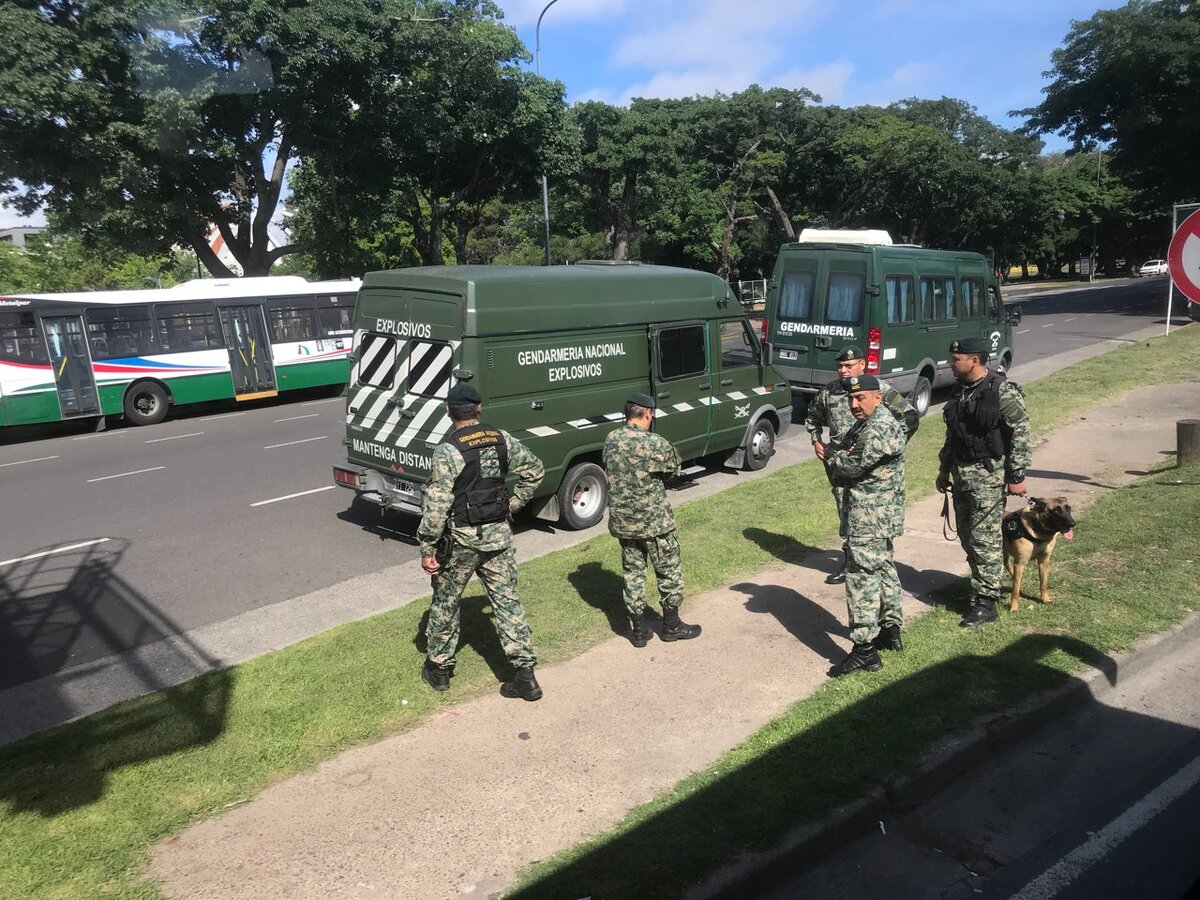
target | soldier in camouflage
[
  {"x": 638, "y": 461},
  {"x": 871, "y": 465},
  {"x": 464, "y": 530},
  {"x": 986, "y": 452},
  {"x": 830, "y": 409}
]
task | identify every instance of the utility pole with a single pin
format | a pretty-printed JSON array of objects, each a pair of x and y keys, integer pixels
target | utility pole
[
  {"x": 537, "y": 65},
  {"x": 1096, "y": 218}
]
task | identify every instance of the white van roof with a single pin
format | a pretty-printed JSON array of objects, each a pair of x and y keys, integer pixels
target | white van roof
[{"x": 845, "y": 236}]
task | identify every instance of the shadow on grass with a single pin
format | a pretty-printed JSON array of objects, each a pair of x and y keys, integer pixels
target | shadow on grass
[
  {"x": 64, "y": 612},
  {"x": 604, "y": 590},
  {"x": 715, "y": 817},
  {"x": 477, "y": 630}
]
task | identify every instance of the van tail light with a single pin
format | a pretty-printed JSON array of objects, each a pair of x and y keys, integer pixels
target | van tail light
[
  {"x": 766, "y": 329},
  {"x": 874, "y": 348}
]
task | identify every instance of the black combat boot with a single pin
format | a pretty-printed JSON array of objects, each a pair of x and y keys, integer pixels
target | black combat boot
[
  {"x": 524, "y": 685},
  {"x": 437, "y": 677},
  {"x": 641, "y": 631},
  {"x": 888, "y": 638},
  {"x": 839, "y": 577},
  {"x": 982, "y": 611},
  {"x": 674, "y": 629},
  {"x": 863, "y": 657}
]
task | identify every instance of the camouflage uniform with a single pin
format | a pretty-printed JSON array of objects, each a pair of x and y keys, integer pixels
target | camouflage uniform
[
  {"x": 979, "y": 488},
  {"x": 830, "y": 408},
  {"x": 485, "y": 549},
  {"x": 639, "y": 515},
  {"x": 873, "y": 472}
]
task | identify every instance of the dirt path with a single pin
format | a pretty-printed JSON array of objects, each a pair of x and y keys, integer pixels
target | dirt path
[{"x": 457, "y": 806}]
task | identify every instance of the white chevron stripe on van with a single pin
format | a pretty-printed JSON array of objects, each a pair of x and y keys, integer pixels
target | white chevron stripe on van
[
  {"x": 683, "y": 407},
  {"x": 736, "y": 395},
  {"x": 414, "y": 426},
  {"x": 543, "y": 431}
]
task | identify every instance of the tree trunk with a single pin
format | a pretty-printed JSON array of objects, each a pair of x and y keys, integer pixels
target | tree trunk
[
  {"x": 781, "y": 218},
  {"x": 622, "y": 232}
]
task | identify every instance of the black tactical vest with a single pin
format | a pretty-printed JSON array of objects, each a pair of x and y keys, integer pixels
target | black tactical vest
[
  {"x": 479, "y": 500},
  {"x": 973, "y": 422}
]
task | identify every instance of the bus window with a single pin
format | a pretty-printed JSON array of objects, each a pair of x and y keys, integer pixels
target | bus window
[
  {"x": 188, "y": 326},
  {"x": 291, "y": 319},
  {"x": 972, "y": 298},
  {"x": 119, "y": 332},
  {"x": 336, "y": 321},
  {"x": 900, "y": 307},
  {"x": 844, "y": 302},
  {"x": 20, "y": 339},
  {"x": 796, "y": 296},
  {"x": 937, "y": 299}
]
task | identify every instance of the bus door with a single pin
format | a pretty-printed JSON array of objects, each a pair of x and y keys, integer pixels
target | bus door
[
  {"x": 683, "y": 386},
  {"x": 66, "y": 343},
  {"x": 250, "y": 362}
]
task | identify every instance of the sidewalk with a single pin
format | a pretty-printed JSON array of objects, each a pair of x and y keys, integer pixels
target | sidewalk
[{"x": 457, "y": 806}]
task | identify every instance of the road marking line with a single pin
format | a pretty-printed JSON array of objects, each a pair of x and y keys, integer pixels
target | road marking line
[
  {"x": 221, "y": 416},
  {"x": 318, "y": 402},
  {"x": 21, "y": 462},
  {"x": 289, "y": 443},
  {"x": 1072, "y": 319},
  {"x": 1103, "y": 842},
  {"x": 1049, "y": 325},
  {"x": 1026, "y": 331},
  {"x": 123, "y": 474},
  {"x": 81, "y": 544},
  {"x": 88, "y": 437},
  {"x": 174, "y": 437},
  {"x": 329, "y": 487},
  {"x": 294, "y": 418}
]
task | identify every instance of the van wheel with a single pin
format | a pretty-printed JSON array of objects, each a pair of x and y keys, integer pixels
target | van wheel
[
  {"x": 761, "y": 446},
  {"x": 922, "y": 394},
  {"x": 583, "y": 496},
  {"x": 146, "y": 403}
]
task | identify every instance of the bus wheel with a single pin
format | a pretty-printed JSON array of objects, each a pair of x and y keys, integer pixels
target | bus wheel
[
  {"x": 761, "y": 445},
  {"x": 583, "y": 496},
  {"x": 922, "y": 394},
  {"x": 146, "y": 403}
]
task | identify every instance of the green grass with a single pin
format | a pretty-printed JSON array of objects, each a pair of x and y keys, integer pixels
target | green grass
[{"x": 80, "y": 805}]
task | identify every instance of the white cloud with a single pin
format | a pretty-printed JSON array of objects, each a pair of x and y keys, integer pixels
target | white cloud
[
  {"x": 519, "y": 13},
  {"x": 702, "y": 82},
  {"x": 829, "y": 81}
]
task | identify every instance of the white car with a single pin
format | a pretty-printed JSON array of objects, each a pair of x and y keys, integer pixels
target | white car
[{"x": 1154, "y": 267}]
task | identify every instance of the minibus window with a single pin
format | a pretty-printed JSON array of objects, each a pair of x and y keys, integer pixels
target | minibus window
[
  {"x": 681, "y": 351},
  {"x": 900, "y": 307},
  {"x": 796, "y": 296},
  {"x": 972, "y": 298},
  {"x": 844, "y": 302},
  {"x": 937, "y": 299},
  {"x": 737, "y": 346}
]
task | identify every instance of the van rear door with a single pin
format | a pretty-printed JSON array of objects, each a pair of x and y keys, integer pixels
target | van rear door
[
  {"x": 682, "y": 385},
  {"x": 790, "y": 309},
  {"x": 840, "y": 306},
  {"x": 406, "y": 347}
]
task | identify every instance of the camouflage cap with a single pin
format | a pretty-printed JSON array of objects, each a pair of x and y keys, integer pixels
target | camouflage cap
[
  {"x": 643, "y": 400},
  {"x": 464, "y": 393},
  {"x": 860, "y": 383},
  {"x": 972, "y": 345},
  {"x": 848, "y": 353}
]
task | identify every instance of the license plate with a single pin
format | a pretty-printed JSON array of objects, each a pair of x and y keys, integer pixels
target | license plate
[
  {"x": 405, "y": 487},
  {"x": 788, "y": 354}
]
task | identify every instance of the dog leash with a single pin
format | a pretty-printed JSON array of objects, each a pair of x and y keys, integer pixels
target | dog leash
[{"x": 950, "y": 532}]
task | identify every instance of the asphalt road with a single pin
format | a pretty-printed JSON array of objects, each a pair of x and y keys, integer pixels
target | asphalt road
[{"x": 204, "y": 518}]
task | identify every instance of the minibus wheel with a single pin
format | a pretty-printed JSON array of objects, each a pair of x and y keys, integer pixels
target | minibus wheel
[
  {"x": 922, "y": 394},
  {"x": 146, "y": 403},
  {"x": 583, "y": 496},
  {"x": 761, "y": 445}
]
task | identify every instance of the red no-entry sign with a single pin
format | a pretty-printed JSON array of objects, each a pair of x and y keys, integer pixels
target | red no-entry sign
[{"x": 1183, "y": 257}]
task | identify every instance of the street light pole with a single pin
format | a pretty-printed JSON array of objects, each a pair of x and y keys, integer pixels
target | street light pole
[
  {"x": 1096, "y": 220},
  {"x": 537, "y": 64}
]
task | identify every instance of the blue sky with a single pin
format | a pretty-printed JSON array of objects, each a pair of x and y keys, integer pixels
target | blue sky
[{"x": 990, "y": 53}]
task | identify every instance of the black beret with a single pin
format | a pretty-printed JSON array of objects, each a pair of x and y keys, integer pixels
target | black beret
[
  {"x": 860, "y": 383},
  {"x": 644, "y": 400},
  {"x": 971, "y": 345},
  {"x": 848, "y": 353},
  {"x": 464, "y": 393}
]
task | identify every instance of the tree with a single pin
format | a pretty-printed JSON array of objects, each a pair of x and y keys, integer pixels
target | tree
[
  {"x": 1130, "y": 78},
  {"x": 142, "y": 123}
]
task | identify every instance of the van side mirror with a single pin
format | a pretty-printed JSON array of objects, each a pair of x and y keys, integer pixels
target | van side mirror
[{"x": 1013, "y": 316}]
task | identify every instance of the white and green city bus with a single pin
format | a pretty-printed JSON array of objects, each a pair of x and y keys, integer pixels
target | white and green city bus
[{"x": 137, "y": 353}]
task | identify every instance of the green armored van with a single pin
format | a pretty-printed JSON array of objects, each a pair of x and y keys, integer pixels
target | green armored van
[
  {"x": 555, "y": 352},
  {"x": 902, "y": 305}
]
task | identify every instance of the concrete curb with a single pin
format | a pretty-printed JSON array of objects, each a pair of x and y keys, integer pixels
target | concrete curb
[{"x": 941, "y": 764}]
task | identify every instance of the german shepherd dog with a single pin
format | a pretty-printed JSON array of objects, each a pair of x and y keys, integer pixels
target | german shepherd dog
[{"x": 1030, "y": 534}]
